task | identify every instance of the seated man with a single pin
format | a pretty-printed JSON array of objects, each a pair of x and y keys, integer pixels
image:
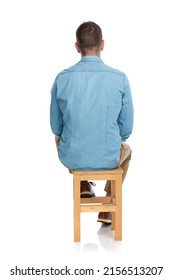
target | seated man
[{"x": 91, "y": 112}]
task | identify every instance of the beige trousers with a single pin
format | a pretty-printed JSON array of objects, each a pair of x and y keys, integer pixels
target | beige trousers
[{"x": 125, "y": 156}]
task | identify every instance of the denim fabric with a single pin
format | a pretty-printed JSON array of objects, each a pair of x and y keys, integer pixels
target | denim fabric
[{"x": 92, "y": 113}]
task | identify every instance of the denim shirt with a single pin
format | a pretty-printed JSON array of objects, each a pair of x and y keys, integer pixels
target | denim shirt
[{"x": 92, "y": 112}]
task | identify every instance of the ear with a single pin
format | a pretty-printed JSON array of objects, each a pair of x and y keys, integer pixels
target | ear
[
  {"x": 77, "y": 47},
  {"x": 102, "y": 45}
]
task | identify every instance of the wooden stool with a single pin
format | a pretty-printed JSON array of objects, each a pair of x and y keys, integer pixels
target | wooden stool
[{"x": 111, "y": 203}]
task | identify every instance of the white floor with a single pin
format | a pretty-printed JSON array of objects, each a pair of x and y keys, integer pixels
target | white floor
[{"x": 37, "y": 225}]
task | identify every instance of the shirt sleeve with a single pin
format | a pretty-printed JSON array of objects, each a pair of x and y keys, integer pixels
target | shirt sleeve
[
  {"x": 126, "y": 116},
  {"x": 56, "y": 121}
]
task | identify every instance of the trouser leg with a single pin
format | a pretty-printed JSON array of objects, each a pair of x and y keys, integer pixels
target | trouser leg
[{"x": 125, "y": 156}]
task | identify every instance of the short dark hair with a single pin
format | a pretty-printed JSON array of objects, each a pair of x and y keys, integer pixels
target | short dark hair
[{"x": 89, "y": 36}]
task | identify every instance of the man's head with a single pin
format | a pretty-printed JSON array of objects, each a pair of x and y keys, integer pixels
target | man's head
[{"x": 89, "y": 39}]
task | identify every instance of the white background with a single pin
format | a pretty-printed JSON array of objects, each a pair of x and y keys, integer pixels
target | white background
[{"x": 36, "y": 42}]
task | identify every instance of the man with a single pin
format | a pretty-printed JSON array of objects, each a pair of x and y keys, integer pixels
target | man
[{"x": 91, "y": 112}]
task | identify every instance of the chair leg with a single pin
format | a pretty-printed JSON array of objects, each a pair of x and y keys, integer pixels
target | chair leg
[
  {"x": 76, "y": 186},
  {"x": 118, "y": 213},
  {"x": 113, "y": 197}
]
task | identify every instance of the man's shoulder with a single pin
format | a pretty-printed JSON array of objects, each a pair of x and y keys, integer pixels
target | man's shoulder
[
  {"x": 113, "y": 70},
  {"x": 66, "y": 71}
]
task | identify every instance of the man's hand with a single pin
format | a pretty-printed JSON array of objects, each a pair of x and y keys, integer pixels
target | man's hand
[{"x": 57, "y": 141}]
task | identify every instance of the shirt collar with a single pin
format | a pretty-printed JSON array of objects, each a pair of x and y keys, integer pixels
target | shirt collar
[{"x": 91, "y": 59}]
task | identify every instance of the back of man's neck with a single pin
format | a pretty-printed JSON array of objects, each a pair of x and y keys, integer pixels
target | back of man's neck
[{"x": 91, "y": 53}]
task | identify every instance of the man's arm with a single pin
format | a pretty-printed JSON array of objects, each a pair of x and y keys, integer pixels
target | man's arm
[
  {"x": 125, "y": 119},
  {"x": 55, "y": 113}
]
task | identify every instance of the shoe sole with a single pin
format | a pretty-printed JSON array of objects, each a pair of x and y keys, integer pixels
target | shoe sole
[
  {"x": 105, "y": 221},
  {"x": 86, "y": 194}
]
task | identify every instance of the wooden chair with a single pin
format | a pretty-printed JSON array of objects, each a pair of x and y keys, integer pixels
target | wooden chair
[{"x": 111, "y": 203}]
